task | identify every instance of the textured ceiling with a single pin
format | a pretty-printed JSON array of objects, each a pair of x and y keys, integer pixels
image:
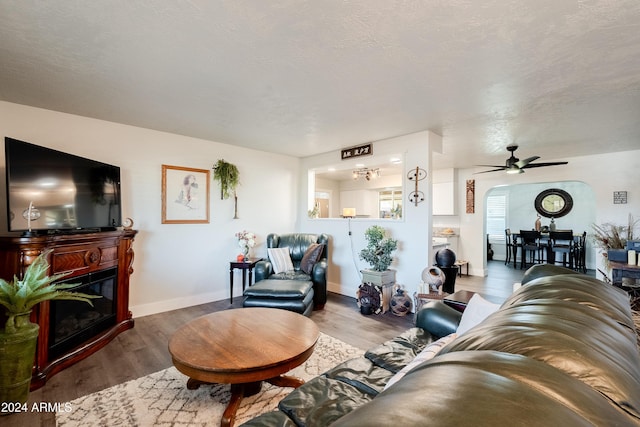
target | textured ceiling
[{"x": 560, "y": 78}]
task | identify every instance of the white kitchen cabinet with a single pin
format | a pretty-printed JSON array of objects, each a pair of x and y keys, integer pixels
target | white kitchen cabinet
[
  {"x": 444, "y": 192},
  {"x": 364, "y": 201},
  {"x": 443, "y": 198}
]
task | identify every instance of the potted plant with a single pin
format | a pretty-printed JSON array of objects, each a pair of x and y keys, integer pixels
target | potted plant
[
  {"x": 19, "y": 337},
  {"x": 313, "y": 213},
  {"x": 379, "y": 248},
  {"x": 229, "y": 178},
  {"x": 378, "y": 254}
]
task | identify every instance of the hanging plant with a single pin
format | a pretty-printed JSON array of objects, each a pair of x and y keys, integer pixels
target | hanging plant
[{"x": 228, "y": 176}]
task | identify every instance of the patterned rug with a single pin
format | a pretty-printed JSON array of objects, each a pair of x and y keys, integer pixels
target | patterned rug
[{"x": 163, "y": 399}]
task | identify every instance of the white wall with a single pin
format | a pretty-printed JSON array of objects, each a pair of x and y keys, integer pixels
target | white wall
[
  {"x": 176, "y": 265},
  {"x": 413, "y": 231},
  {"x": 604, "y": 173},
  {"x": 181, "y": 265}
]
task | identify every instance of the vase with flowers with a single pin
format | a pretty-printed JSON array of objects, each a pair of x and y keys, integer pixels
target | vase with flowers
[{"x": 246, "y": 240}]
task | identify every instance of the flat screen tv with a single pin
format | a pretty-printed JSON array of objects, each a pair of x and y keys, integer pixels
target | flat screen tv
[{"x": 49, "y": 191}]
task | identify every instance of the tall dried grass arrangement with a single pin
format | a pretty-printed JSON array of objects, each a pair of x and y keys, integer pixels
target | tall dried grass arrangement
[{"x": 613, "y": 236}]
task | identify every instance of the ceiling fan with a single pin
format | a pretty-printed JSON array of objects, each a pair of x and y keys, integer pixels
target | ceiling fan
[{"x": 515, "y": 165}]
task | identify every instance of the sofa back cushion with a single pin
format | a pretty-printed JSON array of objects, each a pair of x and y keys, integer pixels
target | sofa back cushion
[
  {"x": 487, "y": 388},
  {"x": 578, "y": 325},
  {"x": 298, "y": 243},
  {"x": 580, "y": 289}
]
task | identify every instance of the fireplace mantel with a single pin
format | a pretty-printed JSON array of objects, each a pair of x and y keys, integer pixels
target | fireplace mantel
[{"x": 77, "y": 255}]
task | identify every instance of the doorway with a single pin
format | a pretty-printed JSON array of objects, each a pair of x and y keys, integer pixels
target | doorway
[
  {"x": 322, "y": 202},
  {"x": 513, "y": 207}
]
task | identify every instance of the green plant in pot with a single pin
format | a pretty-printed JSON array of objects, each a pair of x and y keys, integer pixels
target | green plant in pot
[
  {"x": 19, "y": 337},
  {"x": 229, "y": 178},
  {"x": 379, "y": 250}
]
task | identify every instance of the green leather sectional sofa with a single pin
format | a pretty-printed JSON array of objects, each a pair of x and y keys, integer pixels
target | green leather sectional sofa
[{"x": 561, "y": 351}]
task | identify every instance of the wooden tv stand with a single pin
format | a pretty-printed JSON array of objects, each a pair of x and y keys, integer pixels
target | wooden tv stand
[{"x": 76, "y": 254}]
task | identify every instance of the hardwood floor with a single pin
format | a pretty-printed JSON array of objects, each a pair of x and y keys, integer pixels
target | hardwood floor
[{"x": 143, "y": 349}]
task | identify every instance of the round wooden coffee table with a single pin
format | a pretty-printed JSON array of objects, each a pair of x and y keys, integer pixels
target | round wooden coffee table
[{"x": 243, "y": 347}]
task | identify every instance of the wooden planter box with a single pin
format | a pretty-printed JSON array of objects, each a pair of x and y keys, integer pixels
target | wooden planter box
[{"x": 385, "y": 279}]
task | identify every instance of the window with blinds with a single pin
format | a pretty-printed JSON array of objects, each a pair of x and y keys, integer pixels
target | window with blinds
[
  {"x": 496, "y": 216},
  {"x": 390, "y": 203}
]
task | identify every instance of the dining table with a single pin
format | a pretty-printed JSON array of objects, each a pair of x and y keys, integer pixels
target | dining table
[{"x": 545, "y": 243}]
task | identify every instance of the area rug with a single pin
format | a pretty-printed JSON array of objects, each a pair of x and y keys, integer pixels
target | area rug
[{"x": 163, "y": 399}]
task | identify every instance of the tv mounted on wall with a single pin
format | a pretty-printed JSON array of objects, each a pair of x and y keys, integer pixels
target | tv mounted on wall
[{"x": 49, "y": 191}]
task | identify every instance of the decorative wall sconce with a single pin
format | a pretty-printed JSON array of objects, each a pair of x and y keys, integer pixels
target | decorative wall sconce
[
  {"x": 366, "y": 173},
  {"x": 416, "y": 175}
]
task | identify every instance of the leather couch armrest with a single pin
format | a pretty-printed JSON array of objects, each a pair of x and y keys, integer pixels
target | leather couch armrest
[
  {"x": 262, "y": 270},
  {"x": 319, "y": 279},
  {"x": 438, "y": 319},
  {"x": 544, "y": 270},
  {"x": 319, "y": 271}
]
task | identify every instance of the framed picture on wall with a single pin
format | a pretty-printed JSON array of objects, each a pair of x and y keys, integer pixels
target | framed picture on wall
[{"x": 185, "y": 195}]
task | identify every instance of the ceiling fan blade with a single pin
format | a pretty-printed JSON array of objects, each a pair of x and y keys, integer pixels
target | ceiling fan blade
[
  {"x": 539, "y": 165},
  {"x": 492, "y": 166},
  {"x": 493, "y": 170},
  {"x": 523, "y": 163}
]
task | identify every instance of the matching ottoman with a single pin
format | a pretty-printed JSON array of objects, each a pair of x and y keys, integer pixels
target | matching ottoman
[{"x": 292, "y": 295}]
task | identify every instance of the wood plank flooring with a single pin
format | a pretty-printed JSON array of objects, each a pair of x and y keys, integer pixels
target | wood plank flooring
[{"x": 143, "y": 349}]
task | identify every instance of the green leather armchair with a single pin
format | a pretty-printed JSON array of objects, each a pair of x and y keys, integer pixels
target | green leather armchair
[{"x": 298, "y": 243}]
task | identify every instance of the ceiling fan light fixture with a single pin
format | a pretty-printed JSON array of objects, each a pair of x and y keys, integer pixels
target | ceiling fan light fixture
[
  {"x": 513, "y": 165},
  {"x": 514, "y": 170}
]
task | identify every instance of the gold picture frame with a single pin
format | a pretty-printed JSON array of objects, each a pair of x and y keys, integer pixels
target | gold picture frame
[{"x": 185, "y": 195}]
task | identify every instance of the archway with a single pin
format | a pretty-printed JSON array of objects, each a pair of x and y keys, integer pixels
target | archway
[{"x": 520, "y": 212}]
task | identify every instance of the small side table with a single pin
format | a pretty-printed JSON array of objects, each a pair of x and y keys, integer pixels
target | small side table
[
  {"x": 620, "y": 270},
  {"x": 459, "y": 300},
  {"x": 460, "y": 264},
  {"x": 246, "y": 265}
]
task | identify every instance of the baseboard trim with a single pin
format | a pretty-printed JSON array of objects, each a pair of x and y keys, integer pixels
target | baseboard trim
[
  {"x": 189, "y": 301},
  {"x": 174, "y": 304}
]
